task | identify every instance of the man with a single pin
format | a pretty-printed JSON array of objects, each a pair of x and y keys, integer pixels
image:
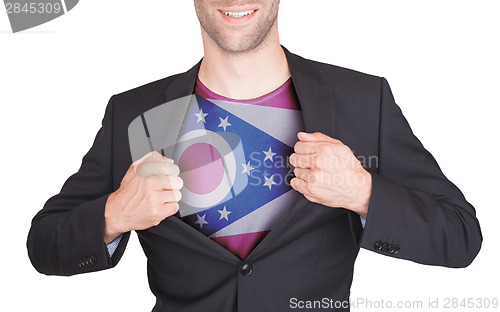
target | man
[{"x": 412, "y": 211}]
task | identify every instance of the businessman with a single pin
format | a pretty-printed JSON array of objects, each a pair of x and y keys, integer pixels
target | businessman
[{"x": 260, "y": 245}]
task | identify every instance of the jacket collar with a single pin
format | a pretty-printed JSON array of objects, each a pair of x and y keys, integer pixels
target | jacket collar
[{"x": 315, "y": 97}]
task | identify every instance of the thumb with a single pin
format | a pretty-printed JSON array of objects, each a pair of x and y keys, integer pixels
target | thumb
[
  {"x": 152, "y": 157},
  {"x": 316, "y": 136}
]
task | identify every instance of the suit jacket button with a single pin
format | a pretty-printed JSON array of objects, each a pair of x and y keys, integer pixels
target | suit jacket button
[
  {"x": 378, "y": 245},
  {"x": 384, "y": 246},
  {"x": 396, "y": 249},
  {"x": 390, "y": 249},
  {"x": 246, "y": 269},
  {"x": 83, "y": 263},
  {"x": 93, "y": 260}
]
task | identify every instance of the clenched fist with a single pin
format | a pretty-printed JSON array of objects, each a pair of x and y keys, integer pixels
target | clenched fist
[
  {"x": 327, "y": 172},
  {"x": 148, "y": 193}
]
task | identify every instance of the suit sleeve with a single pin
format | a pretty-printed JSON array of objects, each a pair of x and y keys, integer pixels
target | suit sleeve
[
  {"x": 415, "y": 212},
  {"x": 67, "y": 236}
]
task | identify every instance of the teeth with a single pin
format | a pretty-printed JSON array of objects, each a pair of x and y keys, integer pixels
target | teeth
[{"x": 239, "y": 14}]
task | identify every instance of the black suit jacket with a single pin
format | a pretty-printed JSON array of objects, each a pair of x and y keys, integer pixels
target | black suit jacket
[{"x": 415, "y": 212}]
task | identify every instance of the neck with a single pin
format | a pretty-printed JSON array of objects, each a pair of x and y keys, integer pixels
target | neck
[{"x": 245, "y": 75}]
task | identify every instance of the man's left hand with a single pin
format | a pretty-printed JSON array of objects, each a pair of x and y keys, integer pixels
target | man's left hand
[{"x": 327, "y": 172}]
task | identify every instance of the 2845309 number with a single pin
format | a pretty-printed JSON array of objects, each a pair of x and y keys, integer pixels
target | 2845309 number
[
  {"x": 33, "y": 8},
  {"x": 478, "y": 303}
]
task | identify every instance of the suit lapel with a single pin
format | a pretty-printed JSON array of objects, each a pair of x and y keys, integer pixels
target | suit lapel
[
  {"x": 316, "y": 99},
  {"x": 182, "y": 84},
  {"x": 318, "y": 109},
  {"x": 317, "y": 104}
]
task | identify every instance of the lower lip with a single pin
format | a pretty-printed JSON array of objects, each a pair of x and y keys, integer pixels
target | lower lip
[{"x": 237, "y": 20}]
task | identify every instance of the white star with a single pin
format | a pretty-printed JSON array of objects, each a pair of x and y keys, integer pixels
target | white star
[
  {"x": 201, "y": 220},
  {"x": 269, "y": 182},
  {"x": 201, "y": 116},
  {"x": 247, "y": 168},
  {"x": 224, "y": 213},
  {"x": 269, "y": 154},
  {"x": 224, "y": 123}
]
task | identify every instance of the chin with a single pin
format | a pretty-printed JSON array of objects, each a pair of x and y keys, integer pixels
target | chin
[{"x": 239, "y": 45}]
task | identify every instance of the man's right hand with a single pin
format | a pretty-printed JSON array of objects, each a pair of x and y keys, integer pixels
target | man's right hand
[{"x": 148, "y": 193}]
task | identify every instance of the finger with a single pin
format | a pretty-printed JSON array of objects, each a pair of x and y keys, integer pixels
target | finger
[
  {"x": 313, "y": 147},
  {"x": 170, "y": 196},
  {"x": 135, "y": 164},
  {"x": 157, "y": 169},
  {"x": 157, "y": 157},
  {"x": 302, "y": 161},
  {"x": 312, "y": 177},
  {"x": 172, "y": 183},
  {"x": 169, "y": 160},
  {"x": 302, "y": 147},
  {"x": 301, "y": 173},
  {"x": 171, "y": 208},
  {"x": 316, "y": 136},
  {"x": 153, "y": 156},
  {"x": 301, "y": 186},
  {"x": 172, "y": 169},
  {"x": 165, "y": 183},
  {"x": 143, "y": 158}
]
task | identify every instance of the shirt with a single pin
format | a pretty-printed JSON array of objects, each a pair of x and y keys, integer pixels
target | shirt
[{"x": 264, "y": 131}]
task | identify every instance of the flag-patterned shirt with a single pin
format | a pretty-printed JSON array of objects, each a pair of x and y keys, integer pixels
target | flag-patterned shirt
[{"x": 237, "y": 184}]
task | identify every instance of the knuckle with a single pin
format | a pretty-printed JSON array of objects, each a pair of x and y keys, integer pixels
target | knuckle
[
  {"x": 319, "y": 161},
  {"x": 177, "y": 195},
  {"x": 297, "y": 146},
  {"x": 169, "y": 183},
  {"x": 324, "y": 148},
  {"x": 312, "y": 177},
  {"x": 166, "y": 183},
  {"x": 148, "y": 183},
  {"x": 177, "y": 169},
  {"x": 155, "y": 154},
  {"x": 177, "y": 182},
  {"x": 297, "y": 182},
  {"x": 172, "y": 208},
  {"x": 310, "y": 189},
  {"x": 343, "y": 148},
  {"x": 298, "y": 161},
  {"x": 144, "y": 166},
  {"x": 318, "y": 178},
  {"x": 157, "y": 220},
  {"x": 316, "y": 161},
  {"x": 172, "y": 169}
]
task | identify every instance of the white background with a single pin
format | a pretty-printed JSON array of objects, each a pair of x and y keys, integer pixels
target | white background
[{"x": 440, "y": 58}]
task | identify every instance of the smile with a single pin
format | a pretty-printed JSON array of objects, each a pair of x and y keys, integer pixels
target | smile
[{"x": 239, "y": 14}]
